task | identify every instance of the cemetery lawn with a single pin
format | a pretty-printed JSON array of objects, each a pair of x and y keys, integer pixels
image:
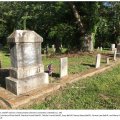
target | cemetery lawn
[
  {"x": 101, "y": 91},
  {"x": 5, "y": 58},
  {"x": 77, "y": 62}
]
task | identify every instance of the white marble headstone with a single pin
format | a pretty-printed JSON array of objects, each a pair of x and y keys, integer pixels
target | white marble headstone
[
  {"x": 112, "y": 47},
  {"x": 63, "y": 67},
  {"x": 98, "y": 59}
]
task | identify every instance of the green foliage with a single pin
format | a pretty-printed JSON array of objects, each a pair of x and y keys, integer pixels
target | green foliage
[
  {"x": 55, "y": 20},
  {"x": 108, "y": 28}
]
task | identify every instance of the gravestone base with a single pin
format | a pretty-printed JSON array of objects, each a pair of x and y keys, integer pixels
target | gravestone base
[{"x": 20, "y": 86}]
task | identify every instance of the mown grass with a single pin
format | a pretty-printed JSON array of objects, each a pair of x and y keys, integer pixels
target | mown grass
[
  {"x": 77, "y": 63},
  {"x": 98, "y": 92},
  {"x": 5, "y": 58}
]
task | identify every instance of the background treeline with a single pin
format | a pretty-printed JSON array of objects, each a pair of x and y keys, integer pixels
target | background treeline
[{"x": 66, "y": 23}]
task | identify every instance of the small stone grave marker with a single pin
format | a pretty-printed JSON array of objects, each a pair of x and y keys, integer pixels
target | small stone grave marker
[
  {"x": 98, "y": 59},
  {"x": 101, "y": 48},
  {"x": 63, "y": 67},
  {"x": 98, "y": 48},
  {"x": 112, "y": 47},
  {"x": 53, "y": 47}
]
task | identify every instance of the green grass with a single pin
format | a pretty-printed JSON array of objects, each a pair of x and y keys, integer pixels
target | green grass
[
  {"x": 98, "y": 92},
  {"x": 77, "y": 63},
  {"x": 5, "y": 58}
]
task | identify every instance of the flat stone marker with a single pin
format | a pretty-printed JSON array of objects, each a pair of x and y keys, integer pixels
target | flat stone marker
[
  {"x": 101, "y": 48},
  {"x": 115, "y": 52},
  {"x": 98, "y": 59},
  {"x": 108, "y": 61},
  {"x": 27, "y": 70},
  {"x": 63, "y": 67}
]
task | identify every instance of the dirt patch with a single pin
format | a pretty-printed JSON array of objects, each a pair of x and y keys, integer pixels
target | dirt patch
[{"x": 104, "y": 96}]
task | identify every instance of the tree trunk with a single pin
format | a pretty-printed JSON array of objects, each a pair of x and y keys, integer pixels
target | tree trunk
[
  {"x": 77, "y": 16},
  {"x": 86, "y": 43}
]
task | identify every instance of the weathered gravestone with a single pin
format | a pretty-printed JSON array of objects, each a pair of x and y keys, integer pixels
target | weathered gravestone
[
  {"x": 101, "y": 48},
  {"x": 53, "y": 47},
  {"x": 27, "y": 70},
  {"x": 98, "y": 59},
  {"x": 63, "y": 67},
  {"x": 113, "y": 47},
  {"x": 98, "y": 48}
]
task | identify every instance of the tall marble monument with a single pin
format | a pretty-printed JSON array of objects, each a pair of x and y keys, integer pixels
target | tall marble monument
[{"x": 27, "y": 70}]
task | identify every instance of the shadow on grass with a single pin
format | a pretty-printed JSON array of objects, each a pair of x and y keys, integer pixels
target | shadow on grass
[
  {"x": 3, "y": 74},
  {"x": 57, "y": 75},
  {"x": 90, "y": 65}
]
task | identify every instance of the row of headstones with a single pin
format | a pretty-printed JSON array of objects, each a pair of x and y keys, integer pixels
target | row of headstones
[
  {"x": 64, "y": 64},
  {"x": 100, "y": 48},
  {"x": 112, "y": 48},
  {"x": 98, "y": 59},
  {"x": 53, "y": 47}
]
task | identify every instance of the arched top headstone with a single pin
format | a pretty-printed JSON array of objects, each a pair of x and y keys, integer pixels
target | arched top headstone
[{"x": 24, "y": 36}]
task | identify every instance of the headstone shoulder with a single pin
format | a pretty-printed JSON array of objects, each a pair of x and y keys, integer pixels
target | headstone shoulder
[{"x": 24, "y": 36}]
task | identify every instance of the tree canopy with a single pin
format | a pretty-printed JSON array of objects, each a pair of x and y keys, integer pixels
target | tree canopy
[{"x": 66, "y": 23}]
